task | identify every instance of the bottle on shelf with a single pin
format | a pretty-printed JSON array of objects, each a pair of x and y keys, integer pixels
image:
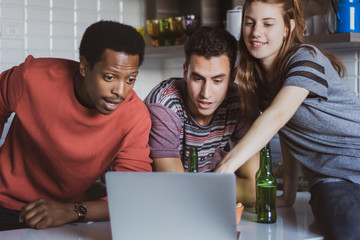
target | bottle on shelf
[
  {"x": 266, "y": 190},
  {"x": 193, "y": 160}
]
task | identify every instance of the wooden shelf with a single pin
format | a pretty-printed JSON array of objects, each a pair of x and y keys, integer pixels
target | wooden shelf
[
  {"x": 336, "y": 40},
  {"x": 328, "y": 41}
]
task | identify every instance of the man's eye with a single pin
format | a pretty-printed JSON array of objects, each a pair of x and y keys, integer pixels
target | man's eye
[
  {"x": 131, "y": 80},
  {"x": 217, "y": 80},
  {"x": 109, "y": 78}
]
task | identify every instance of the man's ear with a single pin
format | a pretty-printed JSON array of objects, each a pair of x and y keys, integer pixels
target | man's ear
[
  {"x": 84, "y": 66},
  {"x": 233, "y": 75}
]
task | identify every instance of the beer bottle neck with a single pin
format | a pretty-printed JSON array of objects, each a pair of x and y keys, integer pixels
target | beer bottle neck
[
  {"x": 193, "y": 160},
  {"x": 265, "y": 161}
]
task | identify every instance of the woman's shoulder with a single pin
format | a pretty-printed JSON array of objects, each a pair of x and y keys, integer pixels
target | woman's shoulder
[{"x": 306, "y": 53}]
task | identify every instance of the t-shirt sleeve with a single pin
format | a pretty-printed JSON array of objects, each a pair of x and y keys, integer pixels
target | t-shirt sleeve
[
  {"x": 306, "y": 69},
  {"x": 164, "y": 140}
]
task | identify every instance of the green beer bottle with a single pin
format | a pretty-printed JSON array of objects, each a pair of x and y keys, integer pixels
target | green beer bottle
[
  {"x": 266, "y": 190},
  {"x": 258, "y": 173},
  {"x": 193, "y": 160}
]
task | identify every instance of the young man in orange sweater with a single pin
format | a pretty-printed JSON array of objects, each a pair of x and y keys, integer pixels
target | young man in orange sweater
[{"x": 73, "y": 121}]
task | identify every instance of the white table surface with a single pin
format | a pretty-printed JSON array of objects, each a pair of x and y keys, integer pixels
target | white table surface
[
  {"x": 296, "y": 222},
  {"x": 293, "y": 223}
]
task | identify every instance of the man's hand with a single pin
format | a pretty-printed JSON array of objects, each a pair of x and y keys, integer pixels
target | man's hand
[{"x": 43, "y": 213}]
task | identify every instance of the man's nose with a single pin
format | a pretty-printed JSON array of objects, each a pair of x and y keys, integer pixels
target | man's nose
[
  {"x": 119, "y": 88},
  {"x": 205, "y": 90}
]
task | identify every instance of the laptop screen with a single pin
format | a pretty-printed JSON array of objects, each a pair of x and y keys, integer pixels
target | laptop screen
[{"x": 171, "y": 206}]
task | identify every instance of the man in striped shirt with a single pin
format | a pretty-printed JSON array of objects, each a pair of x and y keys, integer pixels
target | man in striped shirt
[{"x": 201, "y": 110}]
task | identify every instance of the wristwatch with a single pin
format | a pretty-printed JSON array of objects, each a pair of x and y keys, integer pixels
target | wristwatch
[{"x": 80, "y": 209}]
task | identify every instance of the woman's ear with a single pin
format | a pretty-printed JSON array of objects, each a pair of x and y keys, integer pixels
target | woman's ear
[{"x": 292, "y": 26}]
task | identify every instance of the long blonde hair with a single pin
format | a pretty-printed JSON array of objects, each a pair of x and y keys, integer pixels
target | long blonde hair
[{"x": 255, "y": 93}]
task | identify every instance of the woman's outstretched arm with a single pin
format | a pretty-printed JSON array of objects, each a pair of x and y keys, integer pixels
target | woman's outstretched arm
[{"x": 283, "y": 107}]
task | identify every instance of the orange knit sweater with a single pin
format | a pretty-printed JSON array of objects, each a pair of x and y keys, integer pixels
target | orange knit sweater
[{"x": 56, "y": 148}]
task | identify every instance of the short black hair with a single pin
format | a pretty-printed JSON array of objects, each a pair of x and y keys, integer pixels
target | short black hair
[
  {"x": 110, "y": 35},
  {"x": 211, "y": 42}
]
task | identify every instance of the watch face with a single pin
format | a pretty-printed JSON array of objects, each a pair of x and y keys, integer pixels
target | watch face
[{"x": 82, "y": 209}]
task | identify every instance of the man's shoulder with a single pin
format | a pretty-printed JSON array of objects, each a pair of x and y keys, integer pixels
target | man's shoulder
[
  {"x": 133, "y": 101},
  {"x": 306, "y": 52},
  {"x": 49, "y": 67},
  {"x": 166, "y": 93},
  {"x": 48, "y": 63}
]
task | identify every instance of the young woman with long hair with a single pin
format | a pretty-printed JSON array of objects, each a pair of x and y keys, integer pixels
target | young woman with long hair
[{"x": 299, "y": 90}]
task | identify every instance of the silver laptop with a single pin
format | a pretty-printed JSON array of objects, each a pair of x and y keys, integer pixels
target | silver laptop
[{"x": 171, "y": 206}]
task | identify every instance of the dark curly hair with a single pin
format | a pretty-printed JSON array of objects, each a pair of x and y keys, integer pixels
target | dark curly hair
[
  {"x": 110, "y": 35},
  {"x": 211, "y": 42}
]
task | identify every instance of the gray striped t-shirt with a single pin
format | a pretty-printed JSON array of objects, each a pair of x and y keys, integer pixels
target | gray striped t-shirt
[{"x": 324, "y": 133}]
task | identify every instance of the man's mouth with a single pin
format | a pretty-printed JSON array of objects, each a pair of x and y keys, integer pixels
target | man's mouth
[
  {"x": 205, "y": 104},
  {"x": 111, "y": 105}
]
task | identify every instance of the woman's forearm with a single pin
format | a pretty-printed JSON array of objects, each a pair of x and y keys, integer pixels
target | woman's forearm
[{"x": 264, "y": 128}]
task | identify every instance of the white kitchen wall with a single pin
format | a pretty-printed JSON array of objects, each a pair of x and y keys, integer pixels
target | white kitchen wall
[
  {"x": 46, "y": 28},
  {"x": 351, "y": 59},
  {"x": 156, "y": 69}
]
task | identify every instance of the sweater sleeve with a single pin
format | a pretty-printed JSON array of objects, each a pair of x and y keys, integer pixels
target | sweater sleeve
[
  {"x": 134, "y": 150},
  {"x": 4, "y": 106},
  {"x": 11, "y": 89}
]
